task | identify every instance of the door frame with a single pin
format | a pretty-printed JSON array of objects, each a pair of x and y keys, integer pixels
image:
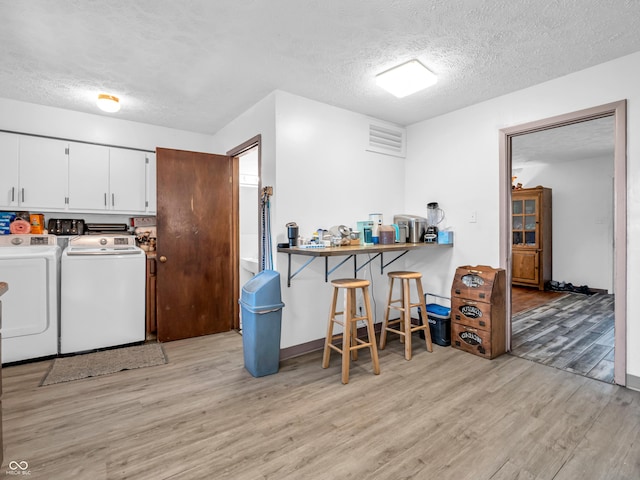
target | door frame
[
  {"x": 618, "y": 110},
  {"x": 236, "y": 152}
]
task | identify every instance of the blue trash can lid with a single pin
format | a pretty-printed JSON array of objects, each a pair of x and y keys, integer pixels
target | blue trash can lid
[
  {"x": 438, "y": 310},
  {"x": 262, "y": 290}
]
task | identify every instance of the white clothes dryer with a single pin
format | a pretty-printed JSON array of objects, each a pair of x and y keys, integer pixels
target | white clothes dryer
[{"x": 30, "y": 265}]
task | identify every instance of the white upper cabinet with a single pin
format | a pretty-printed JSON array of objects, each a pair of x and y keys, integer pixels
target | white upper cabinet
[
  {"x": 54, "y": 175},
  {"x": 42, "y": 173},
  {"x": 127, "y": 180},
  {"x": 88, "y": 177},
  {"x": 8, "y": 170},
  {"x": 152, "y": 203}
]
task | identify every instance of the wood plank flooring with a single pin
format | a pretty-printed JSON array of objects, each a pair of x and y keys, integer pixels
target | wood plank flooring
[
  {"x": 574, "y": 333},
  {"x": 442, "y": 415},
  {"x": 526, "y": 298}
]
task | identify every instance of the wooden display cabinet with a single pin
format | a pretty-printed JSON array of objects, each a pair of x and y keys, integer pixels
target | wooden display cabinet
[{"x": 531, "y": 236}]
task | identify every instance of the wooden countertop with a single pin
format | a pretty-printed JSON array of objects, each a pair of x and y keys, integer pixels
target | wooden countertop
[
  {"x": 4, "y": 286},
  {"x": 358, "y": 249},
  {"x": 351, "y": 251}
]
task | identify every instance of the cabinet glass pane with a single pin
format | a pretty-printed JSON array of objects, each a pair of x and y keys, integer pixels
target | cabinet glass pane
[
  {"x": 529, "y": 206},
  {"x": 517, "y": 223},
  {"x": 517, "y": 238},
  {"x": 517, "y": 207},
  {"x": 530, "y": 222},
  {"x": 530, "y": 238}
]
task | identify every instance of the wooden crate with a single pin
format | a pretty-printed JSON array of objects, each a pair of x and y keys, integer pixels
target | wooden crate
[
  {"x": 470, "y": 312},
  {"x": 474, "y": 283},
  {"x": 472, "y": 340},
  {"x": 478, "y": 315}
]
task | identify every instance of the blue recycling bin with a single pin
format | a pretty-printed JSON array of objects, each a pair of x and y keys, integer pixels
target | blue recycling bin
[{"x": 261, "y": 306}]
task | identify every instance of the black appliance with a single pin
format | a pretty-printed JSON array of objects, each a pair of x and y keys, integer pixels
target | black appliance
[{"x": 65, "y": 226}]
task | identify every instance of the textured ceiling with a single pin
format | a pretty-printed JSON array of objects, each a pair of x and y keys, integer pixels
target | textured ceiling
[
  {"x": 579, "y": 141},
  {"x": 197, "y": 64}
]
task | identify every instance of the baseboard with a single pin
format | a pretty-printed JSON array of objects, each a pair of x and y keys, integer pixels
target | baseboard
[
  {"x": 315, "y": 345},
  {"x": 633, "y": 382}
]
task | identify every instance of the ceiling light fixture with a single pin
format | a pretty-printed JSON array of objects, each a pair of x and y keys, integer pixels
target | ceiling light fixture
[
  {"x": 108, "y": 103},
  {"x": 405, "y": 79}
]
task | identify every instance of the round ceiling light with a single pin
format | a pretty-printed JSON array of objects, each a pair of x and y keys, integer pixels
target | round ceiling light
[{"x": 108, "y": 103}]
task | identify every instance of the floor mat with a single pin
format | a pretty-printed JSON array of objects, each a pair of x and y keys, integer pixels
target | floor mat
[{"x": 66, "y": 369}]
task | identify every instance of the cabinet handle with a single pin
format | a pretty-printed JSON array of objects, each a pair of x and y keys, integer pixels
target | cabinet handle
[
  {"x": 469, "y": 302},
  {"x": 113, "y": 199},
  {"x": 469, "y": 329},
  {"x": 23, "y": 194},
  {"x": 105, "y": 199},
  {"x": 162, "y": 259},
  {"x": 13, "y": 194}
]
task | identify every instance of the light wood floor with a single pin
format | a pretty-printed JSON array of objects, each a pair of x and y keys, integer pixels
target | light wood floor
[{"x": 444, "y": 415}]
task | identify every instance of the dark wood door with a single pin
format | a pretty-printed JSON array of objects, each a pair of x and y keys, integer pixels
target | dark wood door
[{"x": 195, "y": 249}]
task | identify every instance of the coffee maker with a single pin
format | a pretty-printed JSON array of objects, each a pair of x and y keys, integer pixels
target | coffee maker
[{"x": 435, "y": 215}]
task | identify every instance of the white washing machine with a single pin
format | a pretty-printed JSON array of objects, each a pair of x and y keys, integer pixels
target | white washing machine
[
  {"x": 30, "y": 265},
  {"x": 102, "y": 293}
]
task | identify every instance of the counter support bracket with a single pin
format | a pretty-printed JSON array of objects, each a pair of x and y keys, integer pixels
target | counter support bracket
[
  {"x": 385, "y": 265},
  {"x": 356, "y": 269},
  {"x": 290, "y": 276},
  {"x": 329, "y": 272}
]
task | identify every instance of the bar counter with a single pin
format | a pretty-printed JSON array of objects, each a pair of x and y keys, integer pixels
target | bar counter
[{"x": 352, "y": 251}]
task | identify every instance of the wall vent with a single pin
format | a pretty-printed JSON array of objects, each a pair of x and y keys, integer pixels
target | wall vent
[{"x": 387, "y": 139}]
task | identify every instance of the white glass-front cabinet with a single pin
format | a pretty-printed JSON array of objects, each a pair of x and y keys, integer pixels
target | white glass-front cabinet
[{"x": 33, "y": 172}]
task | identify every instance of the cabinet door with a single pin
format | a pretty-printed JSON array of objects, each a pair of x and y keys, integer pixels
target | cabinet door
[
  {"x": 525, "y": 266},
  {"x": 151, "y": 184},
  {"x": 525, "y": 222},
  {"x": 42, "y": 173},
  {"x": 88, "y": 177},
  {"x": 127, "y": 180},
  {"x": 8, "y": 170}
]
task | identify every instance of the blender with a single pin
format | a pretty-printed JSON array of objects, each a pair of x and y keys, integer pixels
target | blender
[{"x": 435, "y": 215}]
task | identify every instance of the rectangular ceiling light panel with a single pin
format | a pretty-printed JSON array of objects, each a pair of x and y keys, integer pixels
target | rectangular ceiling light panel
[{"x": 405, "y": 79}]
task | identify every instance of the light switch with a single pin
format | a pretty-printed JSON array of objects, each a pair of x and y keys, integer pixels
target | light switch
[{"x": 473, "y": 217}]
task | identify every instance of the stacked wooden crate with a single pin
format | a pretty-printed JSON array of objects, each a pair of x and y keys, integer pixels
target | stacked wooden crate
[{"x": 478, "y": 320}]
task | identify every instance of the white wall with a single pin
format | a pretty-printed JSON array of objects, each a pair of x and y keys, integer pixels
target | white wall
[
  {"x": 454, "y": 159},
  {"x": 55, "y": 122},
  {"x": 323, "y": 177},
  {"x": 582, "y": 192}
]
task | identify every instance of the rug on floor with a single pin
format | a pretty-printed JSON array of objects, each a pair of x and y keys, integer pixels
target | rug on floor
[{"x": 67, "y": 369}]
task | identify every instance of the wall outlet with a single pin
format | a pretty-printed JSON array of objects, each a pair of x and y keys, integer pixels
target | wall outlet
[{"x": 473, "y": 217}]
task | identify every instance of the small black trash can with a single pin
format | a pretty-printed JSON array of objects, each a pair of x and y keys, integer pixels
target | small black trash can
[
  {"x": 261, "y": 306},
  {"x": 439, "y": 317}
]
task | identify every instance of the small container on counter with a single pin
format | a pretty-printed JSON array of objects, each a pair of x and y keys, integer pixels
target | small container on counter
[{"x": 387, "y": 235}]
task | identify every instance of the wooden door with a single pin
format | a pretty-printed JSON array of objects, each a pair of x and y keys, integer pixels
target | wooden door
[{"x": 195, "y": 250}]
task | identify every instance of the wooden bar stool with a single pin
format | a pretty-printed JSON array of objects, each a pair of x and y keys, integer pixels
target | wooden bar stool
[
  {"x": 350, "y": 341},
  {"x": 404, "y": 305}
]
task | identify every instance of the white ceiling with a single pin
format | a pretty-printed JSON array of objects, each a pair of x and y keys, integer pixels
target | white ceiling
[
  {"x": 579, "y": 141},
  {"x": 197, "y": 64}
]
